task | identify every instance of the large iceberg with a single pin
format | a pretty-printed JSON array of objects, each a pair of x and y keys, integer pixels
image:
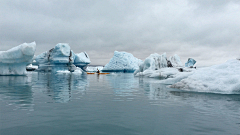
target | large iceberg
[
  {"x": 222, "y": 78},
  {"x": 15, "y": 60},
  {"x": 61, "y": 58},
  {"x": 122, "y": 62}
]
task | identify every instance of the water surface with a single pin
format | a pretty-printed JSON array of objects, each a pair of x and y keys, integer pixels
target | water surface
[{"x": 45, "y": 103}]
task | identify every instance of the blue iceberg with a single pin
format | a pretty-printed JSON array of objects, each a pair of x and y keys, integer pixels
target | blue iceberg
[
  {"x": 190, "y": 62},
  {"x": 61, "y": 58}
]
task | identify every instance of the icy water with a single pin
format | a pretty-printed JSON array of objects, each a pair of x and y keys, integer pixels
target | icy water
[{"x": 115, "y": 104}]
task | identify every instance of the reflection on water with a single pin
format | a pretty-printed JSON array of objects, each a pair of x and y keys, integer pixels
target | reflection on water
[
  {"x": 62, "y": 86},
  {"x": 123, "y": 84},
  {"x": 17, "y": 90},
  {"x": 90, "y": 104}
]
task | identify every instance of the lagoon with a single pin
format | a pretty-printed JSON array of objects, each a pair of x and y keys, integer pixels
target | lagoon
[{"x": 118, "y": 103}]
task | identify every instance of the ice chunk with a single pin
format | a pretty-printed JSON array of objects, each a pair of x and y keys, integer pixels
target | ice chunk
[
  {"x": 175, "y": 61},
  {"x": 62, "y": 54},
  {"x": 154, "y": 62},
  {"x": 123, "y": 62},
  {"x": 82, "y": 60},
  {"x": 223, "y": 78},
  {"x": 190, "y": 62},
  {"x": 94, "y": 68},
  {"x": 15, "y": 60},
  {"x": 31, "y": 67}
]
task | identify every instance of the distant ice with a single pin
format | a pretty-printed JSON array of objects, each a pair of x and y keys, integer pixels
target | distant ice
[
  {"x": 94, "y": 68},
  {"x": 122, "y": 61},
  {"x": 15, "y": 60},
  {"x": 190, "y": 63}
]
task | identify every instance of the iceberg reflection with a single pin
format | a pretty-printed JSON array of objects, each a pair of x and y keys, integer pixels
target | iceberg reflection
[
  {"x": 17, "y": 90},
  {"x": 123, "y": 84},
  {"x": 62, "y": 86}
]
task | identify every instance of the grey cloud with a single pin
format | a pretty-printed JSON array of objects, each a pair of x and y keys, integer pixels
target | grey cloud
[{"x": 188, "y": 28}]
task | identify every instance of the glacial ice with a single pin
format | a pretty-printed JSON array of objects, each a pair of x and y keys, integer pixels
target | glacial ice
[
  {"x": 175, "y": 61},
  {"x": 82, "y": 60},
  {"x": 122, "y": 62},
  {"x": 190, "y": 63},
  {"x": 159, "y": 66},
  {"x": 60, "y": 59},
  {"x": 15, "y": 60},
  {"x": 223, "y": 78}
]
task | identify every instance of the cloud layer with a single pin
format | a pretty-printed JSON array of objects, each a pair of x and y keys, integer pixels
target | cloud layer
[{"x": 206, "y": 30}]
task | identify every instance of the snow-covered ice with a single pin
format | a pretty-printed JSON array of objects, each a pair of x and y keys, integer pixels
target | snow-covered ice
[
  {"x": 175, "y": 61},
  {"x": 158, "y": 66},
  {"x": 15, "y": 60},
  {"x": 122, "y": 61},
  {"x": 190, "y": 63},
  {"x": 223, "y": 78}
]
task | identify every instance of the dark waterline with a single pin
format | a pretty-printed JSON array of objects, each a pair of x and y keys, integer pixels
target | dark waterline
[{"x": 44, "y": 103}]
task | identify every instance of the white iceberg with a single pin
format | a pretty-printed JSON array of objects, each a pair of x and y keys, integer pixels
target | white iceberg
[
  {"x": 60, "y": 59},
  {"x": 122, "y": 62},
  {"x": 159, "y": 66},
  {"x": 175, "y": 61},
  {"x": 15, "y": 60},
  {"x": 223, "y": 78}
]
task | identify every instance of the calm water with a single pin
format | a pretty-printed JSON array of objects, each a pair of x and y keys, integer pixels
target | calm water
[{"x": 44, "y": 103}]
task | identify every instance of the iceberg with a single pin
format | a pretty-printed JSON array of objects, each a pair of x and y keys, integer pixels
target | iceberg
[
  {"x": 15, "y": 60},
  {"x": 222, "y": 78},
  {"x": 175, "y": 61},
  {"x": 60, "y": 59},
  {"x": 190, "y": 63},
  {"x": 122, "y": 62},
  {"x": 82, "y": 60},
  {"x": 159, "y": 66}
]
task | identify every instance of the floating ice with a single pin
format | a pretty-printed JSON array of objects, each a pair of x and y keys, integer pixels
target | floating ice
[
  {"x": 122, "y": 62},
  {"x": 223, "y": 78},
  {"x": 190, "y": 62},
  {"x": 94, "y": 68},
  {"x": 15, "y": 60},
  {"x": 82, "y": 60},
  {"x": 61, "y": 58},
  {"x": 158, "y": 66},
  {"x": 175, "y": 61}
]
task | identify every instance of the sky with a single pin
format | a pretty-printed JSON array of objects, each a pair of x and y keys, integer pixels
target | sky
[{"x": 205, "y": 30}]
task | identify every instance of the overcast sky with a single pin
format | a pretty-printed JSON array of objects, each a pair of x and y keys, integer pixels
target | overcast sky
[{"x": 206, "y": 30}]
